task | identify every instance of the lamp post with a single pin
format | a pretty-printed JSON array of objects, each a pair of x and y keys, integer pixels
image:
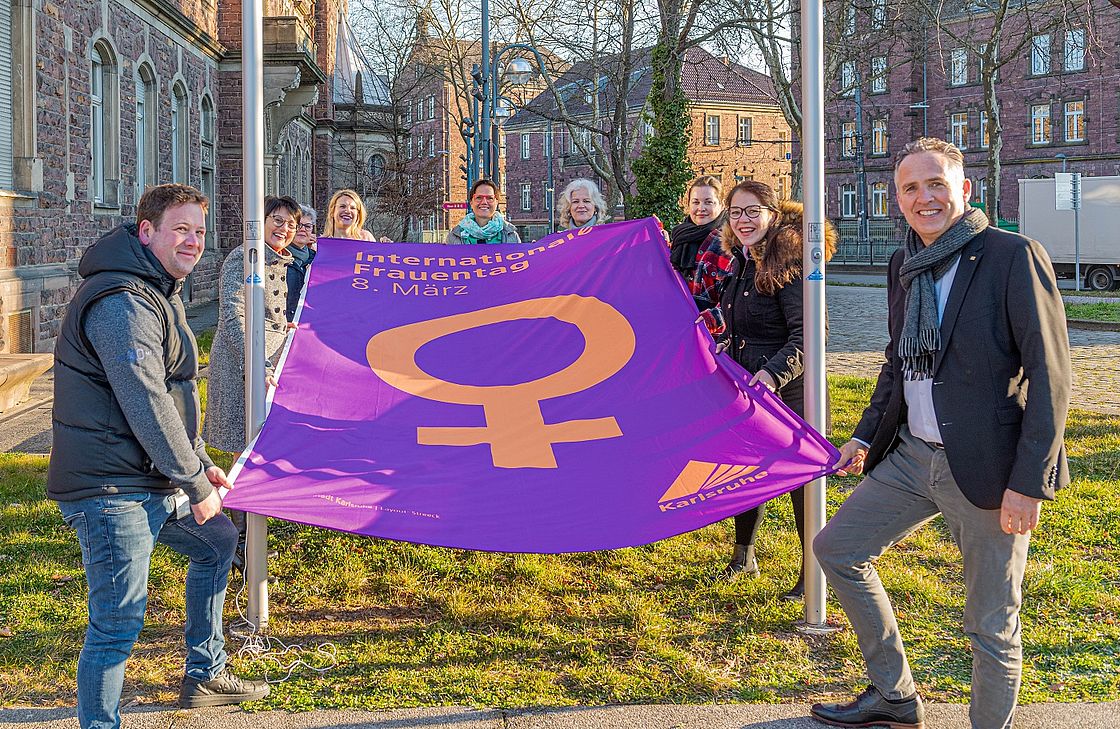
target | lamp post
[
  {"x": 863, "y": 233},
  {"x": 482, "y": 160}
]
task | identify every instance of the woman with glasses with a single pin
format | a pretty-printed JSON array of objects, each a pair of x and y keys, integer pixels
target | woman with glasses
[
  {"x": 346, "y": 217},
  {"x": 581, "y": 204},
  {"x": 303, "y": 253},
  {"x": 761, "y": 302},
  {"x": 483, "y": 224},
  {"x": 224, "y": 425}
]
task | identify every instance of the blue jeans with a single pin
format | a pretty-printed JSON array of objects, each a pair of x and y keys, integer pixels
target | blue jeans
[{"x": 117, "y": 534}]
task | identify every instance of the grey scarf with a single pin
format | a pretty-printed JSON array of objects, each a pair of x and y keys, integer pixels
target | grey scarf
[{"x": 922, "y": 265}]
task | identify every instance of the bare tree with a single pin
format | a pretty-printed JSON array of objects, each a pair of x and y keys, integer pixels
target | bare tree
[{"x": 999, "y": 33}]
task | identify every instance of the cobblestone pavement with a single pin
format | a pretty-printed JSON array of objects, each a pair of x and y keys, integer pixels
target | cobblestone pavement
[{"x": 857, "y": 318}]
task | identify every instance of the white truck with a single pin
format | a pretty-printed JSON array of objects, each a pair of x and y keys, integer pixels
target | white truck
[{"x": 1054, "y": 229}]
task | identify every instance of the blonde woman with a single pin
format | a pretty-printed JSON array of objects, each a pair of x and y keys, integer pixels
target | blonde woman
[
  {"x": 346, "y": 217},
  {"x": 581, "y": 204}
]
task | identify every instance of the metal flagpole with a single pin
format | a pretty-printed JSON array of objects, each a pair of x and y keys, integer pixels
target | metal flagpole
[
  {"x": 487, "y": 92},
  {"x": 252, "y": 181},
  {"x": 812, "y": 160}
]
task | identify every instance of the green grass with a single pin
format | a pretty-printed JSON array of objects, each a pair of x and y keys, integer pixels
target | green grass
[
  {"x": 1094, "y": 312},
  {"x": 420, "y": 626}
]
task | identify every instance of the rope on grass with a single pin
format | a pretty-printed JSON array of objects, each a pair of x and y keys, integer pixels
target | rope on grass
[{"x": 288, "y": 657}]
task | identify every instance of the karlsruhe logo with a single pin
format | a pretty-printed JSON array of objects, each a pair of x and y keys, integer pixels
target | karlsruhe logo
[{"x": 700, "y": 481}]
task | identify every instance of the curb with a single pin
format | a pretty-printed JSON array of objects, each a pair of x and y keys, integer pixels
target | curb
[{"x": 1095, "y": 326}]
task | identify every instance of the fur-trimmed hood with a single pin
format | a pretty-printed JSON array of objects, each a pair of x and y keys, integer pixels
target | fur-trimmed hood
[{"x": 788, "y": 240}]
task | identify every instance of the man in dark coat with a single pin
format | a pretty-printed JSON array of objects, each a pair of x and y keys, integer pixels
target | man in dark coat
[
  {"x": 128, "y": 467},
  {"x": 966, "y": 420}
]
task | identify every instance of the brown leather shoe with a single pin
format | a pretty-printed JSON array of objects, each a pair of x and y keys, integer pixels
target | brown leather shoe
[{"x": 870, "y": 709}]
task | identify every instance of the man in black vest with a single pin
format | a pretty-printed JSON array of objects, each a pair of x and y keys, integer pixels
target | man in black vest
[
  {"x": 128, "y": 468},
  {"x": 966, "y": 421}
]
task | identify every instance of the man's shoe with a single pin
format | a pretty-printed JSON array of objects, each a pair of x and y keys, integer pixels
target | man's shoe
[
  {"x": 223, "y": 689},
  {"x": 742, "y": 562},
  {"x": 870, "y": 709}
]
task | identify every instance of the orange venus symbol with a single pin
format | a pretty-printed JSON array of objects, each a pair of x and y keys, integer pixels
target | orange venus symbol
[{"x": 515, "y": 427}]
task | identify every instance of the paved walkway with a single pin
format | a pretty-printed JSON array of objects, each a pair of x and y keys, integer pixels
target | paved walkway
[
  {"x": 857, "y": 336},
  {"x": 725, "y": 716}
]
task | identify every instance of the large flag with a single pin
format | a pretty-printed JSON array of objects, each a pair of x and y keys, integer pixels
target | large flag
[{"x": 557, "y": 396}]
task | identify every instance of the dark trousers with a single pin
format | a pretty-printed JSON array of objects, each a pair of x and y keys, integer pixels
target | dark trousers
[{"x": 746, "y": 524}]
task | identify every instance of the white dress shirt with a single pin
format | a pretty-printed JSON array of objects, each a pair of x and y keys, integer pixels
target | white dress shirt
[{"x": 921, "y": 416}]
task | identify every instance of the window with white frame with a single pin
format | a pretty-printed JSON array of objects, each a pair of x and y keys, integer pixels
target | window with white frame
[
  {"x": 847, "y": 201},
  {"x": 406, "y": 115},
  {"x": 985, "y": 137},
  {"x": 376, "y": 167},
  {"x": 432, "y": 107},
  {"x": 431, "y": 182},
  {"x": 1073, "y": 55},
  {"x": 958, "y": 129},
  {"x": 848, "y": 78},
  {"x": 526, "y": 196},
  {"x": 746, "y": 131},
  {"x": 419, "y": 109},
  {"x": 982, "y": 192},
  {"x": 878, "y": 13},
  {"x": 431, "y": 145},
  {"x": 981, "y": 51},
  {"x": 850, "y": 18},
  {"x": 1040, "y": 54},
  {"x": 1075, "y": 121},
  {"x": 848, "y": 139},
  {"x": 879, "y": 200},
  {"x": 146, "y": 125},
  {"x": 711, "y": 130},
  {"x": 879, "y": 74},
  {"x": 408, "y": 148},
  {"x": 548, "y": 144},
  {"x": 104, "y": 124},
  {"x": 1040, "y": 124},
  {"x": 958, "y": 67},
  {"x": 879, "y": 136},
  {"x": 524, "y": 145},
  {"x": 180, "y": 134}
]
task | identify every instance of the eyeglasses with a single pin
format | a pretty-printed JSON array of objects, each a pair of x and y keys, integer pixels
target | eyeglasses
[
  {"x": 307, "y": 226},
  {"x": 289, "y": 223},
  {"x": 752, "y": 212}
]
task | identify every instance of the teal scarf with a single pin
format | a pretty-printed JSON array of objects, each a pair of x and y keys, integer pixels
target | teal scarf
[{"x": 472, "y": 233}]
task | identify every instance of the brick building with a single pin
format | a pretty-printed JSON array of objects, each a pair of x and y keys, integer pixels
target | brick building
[
  {"x": 1059, "y": 101},
  {"x": 738, "y": 131},
  {"x": 100, "y": 100}
]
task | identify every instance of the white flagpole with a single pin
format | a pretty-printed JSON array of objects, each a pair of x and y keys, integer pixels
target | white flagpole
[
  {"x": 816, "y": 402},
  {"x": 252, "y": 118}
]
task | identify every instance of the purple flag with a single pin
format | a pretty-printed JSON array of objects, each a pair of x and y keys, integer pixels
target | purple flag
[{"x": 556, "y": 396}]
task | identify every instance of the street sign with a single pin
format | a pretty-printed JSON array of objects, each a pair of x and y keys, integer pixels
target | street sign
[
  {"x": 1067, "y": 191},
  {"x": 454, "y": 206}
]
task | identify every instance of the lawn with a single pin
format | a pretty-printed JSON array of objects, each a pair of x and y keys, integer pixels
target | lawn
[
  {"x": 1094, "y": 312},
  {"x": 417, "y": 626}
]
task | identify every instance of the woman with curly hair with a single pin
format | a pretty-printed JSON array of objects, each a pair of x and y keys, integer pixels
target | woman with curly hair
[
  {"x": 762, "y": 304},
  {"x": 581, "y": 204}
]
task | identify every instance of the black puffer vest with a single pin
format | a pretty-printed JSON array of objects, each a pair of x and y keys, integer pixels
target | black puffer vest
[{"x": 95, "y": 451}]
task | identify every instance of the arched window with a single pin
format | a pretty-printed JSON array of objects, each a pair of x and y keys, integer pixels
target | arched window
[
  {"x": 879, "y": 200},
  {"x": 305, "y": 165},
  {"x": 146, "y": 124},
  {"x": 284, "y": 184},
  {"x": 847, "y": 201},
  {"x": 376, "y": 167},
  {"x": 104, "y": 125},
  {"x": 206, "y": 127},
  {"x": 180, "y": 134}
]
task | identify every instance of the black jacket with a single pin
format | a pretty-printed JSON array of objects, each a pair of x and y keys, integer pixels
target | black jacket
[
  {"x": 1001, "y": 380},
  {"x": 154, "y": 355},
  {"x": 297, "y": 276}
]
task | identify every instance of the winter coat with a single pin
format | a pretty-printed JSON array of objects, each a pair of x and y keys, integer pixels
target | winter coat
[
  {"x": 765, "y": 331},
  {"x": 224, "y": 426},
  {"x": 297, "y": 276},
  {"x": 126, "y": 412}
]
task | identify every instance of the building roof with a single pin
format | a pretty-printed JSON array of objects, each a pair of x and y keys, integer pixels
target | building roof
[
  {"x": 352, "y": 67},
  {"x": 704, "y": 79}
]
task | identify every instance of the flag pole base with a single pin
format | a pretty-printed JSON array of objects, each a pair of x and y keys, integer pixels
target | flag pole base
[{"x": 816, "y": 628}]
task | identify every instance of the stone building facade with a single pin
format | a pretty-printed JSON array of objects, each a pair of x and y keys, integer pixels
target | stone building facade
[
  {"x": 738, "y": 132},
  {"x": 1059, "y": 99},
  {"x": 100, "y": 100}
]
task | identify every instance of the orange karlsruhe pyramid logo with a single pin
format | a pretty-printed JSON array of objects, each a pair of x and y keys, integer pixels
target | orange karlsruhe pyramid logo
[{"x": 701, "y": 480}]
